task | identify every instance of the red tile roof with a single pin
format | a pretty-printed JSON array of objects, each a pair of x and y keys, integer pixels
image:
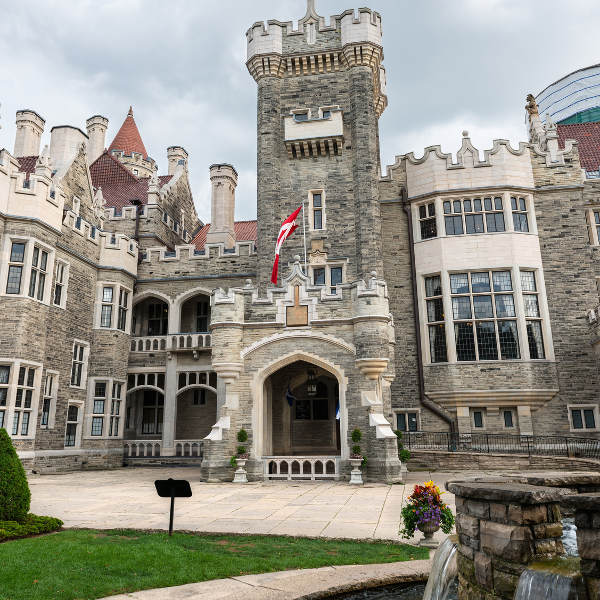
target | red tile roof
[
  {"x": 588, "y": 136},
  {"x": 244, "y": 231},
  {"x": 119, "y": 185},
  {"x": 27, "y": 164},
  {"x": 128, "y": 138}
]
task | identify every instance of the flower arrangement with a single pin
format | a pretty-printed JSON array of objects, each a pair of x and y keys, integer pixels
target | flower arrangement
[
  {"x": 425, "y": 508},
  {"x": 242, "y": 451}
]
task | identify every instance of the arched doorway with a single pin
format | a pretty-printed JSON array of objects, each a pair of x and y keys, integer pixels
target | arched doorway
[
  {"x": 195, "y": 314},
  {"x": 302, "y": 411},
  {"x": 150, "y": 317}
]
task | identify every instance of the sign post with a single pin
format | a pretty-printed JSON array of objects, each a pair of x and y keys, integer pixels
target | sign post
[{"x": 173, "y": 488}]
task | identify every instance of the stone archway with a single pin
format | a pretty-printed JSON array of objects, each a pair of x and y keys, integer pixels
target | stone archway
[{"x": 298, "y": 432}]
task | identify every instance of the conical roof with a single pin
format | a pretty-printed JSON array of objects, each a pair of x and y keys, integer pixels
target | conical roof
[{"x": 128, "y": 138}]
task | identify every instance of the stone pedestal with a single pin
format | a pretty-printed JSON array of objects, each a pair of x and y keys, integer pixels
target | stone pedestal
[
  {"x": 502, "y": 527},
  {"x": 355, "y": 474},
  {"x": 240, "y": 473}
]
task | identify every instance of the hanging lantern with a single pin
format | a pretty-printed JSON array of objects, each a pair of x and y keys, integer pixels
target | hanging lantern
[{"x": 311, "y": 384}]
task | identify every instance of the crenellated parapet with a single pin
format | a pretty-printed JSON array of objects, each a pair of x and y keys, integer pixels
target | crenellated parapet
[
  {"x": 136, "y": 161},
  {"x": 35, "y": 196},
  {"x": 278, "y": 49},
  {"x": 435, "y": 171}
]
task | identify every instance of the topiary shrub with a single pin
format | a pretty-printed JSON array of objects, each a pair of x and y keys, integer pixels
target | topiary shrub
[{"x": 15, "y": 496}]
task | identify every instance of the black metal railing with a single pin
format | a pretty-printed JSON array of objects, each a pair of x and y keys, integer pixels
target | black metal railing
[{"x": 499, "y": 443}]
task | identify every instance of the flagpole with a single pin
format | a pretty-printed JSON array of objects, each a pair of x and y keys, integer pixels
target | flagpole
[{"x": 304, "y": 235}]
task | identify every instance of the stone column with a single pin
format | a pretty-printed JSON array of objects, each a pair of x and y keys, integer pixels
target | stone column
[
  {"x": 502, "y": 527},
  {"x": 170, "y": 407},
  {"x": 587, "y": 520}
]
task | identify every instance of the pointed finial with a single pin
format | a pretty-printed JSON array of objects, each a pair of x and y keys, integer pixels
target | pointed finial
[
  {"x": 465, "y": 133},
  {"x": 130, "y": 113},
  {"x": 311, "y": 10}
]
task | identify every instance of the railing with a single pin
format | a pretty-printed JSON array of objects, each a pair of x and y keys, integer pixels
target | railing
[
  {"x": 152, "y": 448},
  {"x": 171, "y": 343},
  {"x": 498, "y": 443},
  {"x": 302, "y": 467}
]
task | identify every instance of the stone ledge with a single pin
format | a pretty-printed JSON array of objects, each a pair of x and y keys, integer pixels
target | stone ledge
[
  {"x": 587, "y": 502},
  {"x": 506, "y": 491}
]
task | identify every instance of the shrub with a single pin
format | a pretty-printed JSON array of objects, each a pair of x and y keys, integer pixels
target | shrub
[
  {"x": 31, "y": 525},
  {"x": 403, "y": 454},
  {"x": 242, "y": 436},
  {"x": 15, "y": 496},
  {"x": 356, "y": 436}
]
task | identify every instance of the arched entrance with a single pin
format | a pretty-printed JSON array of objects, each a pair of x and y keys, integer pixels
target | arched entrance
[{"x": 304, "y": 411}]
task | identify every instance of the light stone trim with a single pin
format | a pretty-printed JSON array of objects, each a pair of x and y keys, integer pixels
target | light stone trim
[
  {"x": 299, "y": 334},
  {"x": 534, "y": 398}
]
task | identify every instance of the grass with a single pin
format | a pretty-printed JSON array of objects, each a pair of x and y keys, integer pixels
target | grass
[{"x": 82, "y": 564}]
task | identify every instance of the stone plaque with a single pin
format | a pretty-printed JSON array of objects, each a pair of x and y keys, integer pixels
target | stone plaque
[{"x": 296, "y": 316}]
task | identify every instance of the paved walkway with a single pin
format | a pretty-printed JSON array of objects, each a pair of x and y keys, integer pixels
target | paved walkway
[
  {"x": 127, "y": 498},
  {"x": 289, "y": 585}
]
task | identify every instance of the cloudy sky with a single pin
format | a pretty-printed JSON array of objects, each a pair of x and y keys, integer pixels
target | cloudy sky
[{"x": 465, "y": 64}]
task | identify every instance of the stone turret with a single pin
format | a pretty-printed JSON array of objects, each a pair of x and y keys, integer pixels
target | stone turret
[
  {"x": 223, "y": 179},
  {"x": 65, "y": 142},
  {"x": 96, "y": 130},
  {"x": 177, "y": 157},
  {"x": 30, "y": 127}
]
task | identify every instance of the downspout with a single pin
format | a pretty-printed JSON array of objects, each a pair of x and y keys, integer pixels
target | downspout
[
  {"x": 425, "y": 401},
  {"x": 136, "y": 236}
]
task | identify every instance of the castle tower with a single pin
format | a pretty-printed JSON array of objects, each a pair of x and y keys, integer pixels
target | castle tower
[
  {"x": 177, "y": 157},
  {"x": 129, "y": 148},
  {"x": 30, "y": 127},
  {"x": 96, "y": 130},
  {"x": 223, "y": 179},
  {"x": 321, "y": 90}
]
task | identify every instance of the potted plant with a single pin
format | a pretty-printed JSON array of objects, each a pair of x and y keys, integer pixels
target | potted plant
[
  {"x": 403, "y": 454},
  {"x": 238, "y": 461},
  {"x": 356, "y": 459},
  {"x": 426, "y": 512}
]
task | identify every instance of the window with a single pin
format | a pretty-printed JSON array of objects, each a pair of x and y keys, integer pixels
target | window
[
  {"x": 317, "y": 205},
  {"x": 135, "y": 171},
  {"x": 23, "y": 401},
  {"x": 326, "y": 114},
  {"x": 15, "y": 268},
  {"x": 199, "y": 397},
  {"x": 533, "y": 321},
  {"x": 481, "y": 215},
  {"x": 72, "y": 424},
  {"x": 152, "y": 414},
  {"x": 583, "y": 417},
  {"x": 597, "y": 226},
  {"x": 313, "y": 407},
  {"x": 509, "y": 418},
  {"x": 427, "y": 221},
  {"x": 107, "y": 307},
  {"x": 99, "y": 397},
  {"x": 435, "y": 319},
  {"x": 478, "y": 419},
  {"x": 4, "y": 380},
  {"x": 78, "y": 365},
  {"x": 336, "y": 278},
  {"x": 123, "y": 303},
  {"x": 60, "y": 283},
  {"x": 407, "y": 421},
  {"x": 301, "y": 116},
  {"x": 49, "y": 400},
  {"x": 202, "y": 315},
  {"x": 37, "y": 280},
  {"x": 519, "y": 211},
  {"x": 483, "y": 310},
  {"x": 158, "y": 318},
  {"x": 319, "y": 276},
  {"x": 115, "y": 409}
]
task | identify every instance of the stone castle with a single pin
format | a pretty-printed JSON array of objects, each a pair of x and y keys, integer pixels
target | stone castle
[{"x": 449, "y": 294}]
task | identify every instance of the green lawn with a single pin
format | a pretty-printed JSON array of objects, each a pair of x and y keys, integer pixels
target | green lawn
[{"x": 86, "y": 564}]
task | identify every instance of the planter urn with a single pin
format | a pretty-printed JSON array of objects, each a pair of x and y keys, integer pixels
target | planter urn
[
  {"x": 240, "y": 472},
  {"x": 356, "y": 474}
]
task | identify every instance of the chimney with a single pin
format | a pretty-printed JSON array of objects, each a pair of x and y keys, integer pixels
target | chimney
[
  {"x": 224, "y": 181},
  {"x": 65, "y": 142},
  {"x": 96, "y": 129},
  {"x": 30, "y": 127},
  {"x": 177, "y": 157}
]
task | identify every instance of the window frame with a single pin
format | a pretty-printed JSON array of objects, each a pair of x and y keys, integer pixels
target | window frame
[
  {"x": 425, "y": 220},
  {"x": 78, "y": 424},
  {"x": 103, "y": 304},
  {"x": 582, "y": 407},
  {"x": 330, "y": 289},
  {"x": 468, "y": 209},
  {"x": 406, "y": 412},
  {"x": 50, "y": 396},
  {"x": 321, "y": 209},
  {"x": 472, "y": 412},
  {"x": 109, "y": 413},
  {"x": 64, "y": 267},
  {"x": 429, "y": 325},
  {"x": 514, "y": 415},
  {"x": 84, "y": 364}
]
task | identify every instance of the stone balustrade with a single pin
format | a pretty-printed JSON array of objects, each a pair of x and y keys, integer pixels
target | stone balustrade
[
  {"x": 503, "y": 526},
  {"x": 152, "y": 448},
  {"x": 176, "y": 342},
  {"x": 302, "y": 467},
  {"x": 587, "y": 520}
]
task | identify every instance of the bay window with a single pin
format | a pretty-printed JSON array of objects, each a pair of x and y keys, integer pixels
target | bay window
[
  {"x": 112, "y": 310},
  {"x": 519, "y": 212},
  {"x": 474, "y": 215},
  {"x": 435, "y": 319}
]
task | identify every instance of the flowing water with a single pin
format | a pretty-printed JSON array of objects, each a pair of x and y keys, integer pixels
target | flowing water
[
  {"x": 443, "y": 572},
  {"x": 569, "y": 538},
  {"x": 543, "y": 584}
]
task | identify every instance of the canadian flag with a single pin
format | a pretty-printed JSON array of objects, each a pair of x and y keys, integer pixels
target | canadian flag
[{"x": 287, "y": 228}]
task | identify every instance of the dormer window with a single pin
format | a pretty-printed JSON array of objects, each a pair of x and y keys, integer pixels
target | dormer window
[
  {"x": 135, "y": 172},
  {"x": 300, "y": 117},
  {"x": 327, "y": 114}
]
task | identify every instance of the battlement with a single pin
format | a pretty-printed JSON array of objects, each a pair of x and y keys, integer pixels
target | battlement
[
  {"x": 145, "y": 166},
  {"x": 36, "y": 197},
  {"x": 190, "y": 252},
  {"x": 313, "y": 34},
  {"x": 501, "y": 165}
]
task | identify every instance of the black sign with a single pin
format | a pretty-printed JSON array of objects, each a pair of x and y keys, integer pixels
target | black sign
[{"x": 173, "y": 488}]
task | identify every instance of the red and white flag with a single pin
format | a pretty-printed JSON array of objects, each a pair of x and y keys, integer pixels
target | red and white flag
[{"x": 287, "y": 228}]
